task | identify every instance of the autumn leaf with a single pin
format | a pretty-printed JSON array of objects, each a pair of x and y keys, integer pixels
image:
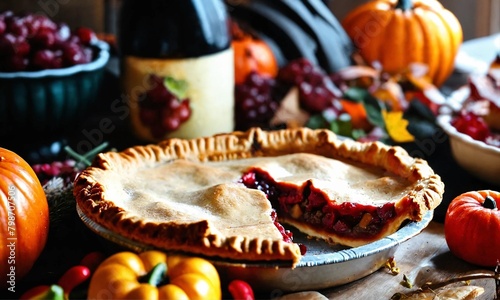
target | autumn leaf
[{"x": 396, "y": 126}]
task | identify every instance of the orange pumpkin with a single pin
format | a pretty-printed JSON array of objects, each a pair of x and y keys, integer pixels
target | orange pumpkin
[
  {"x": 397, "y": 33},
  {"x": 24, "y": 217},
  {"x": 251, "y": 54},
  {"x": 472, "y": 227}
]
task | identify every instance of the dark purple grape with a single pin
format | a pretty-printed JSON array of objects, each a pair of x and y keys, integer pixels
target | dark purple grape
[
  {"x": 317, "y": 91},
  {"x": 255, "y": 105}
]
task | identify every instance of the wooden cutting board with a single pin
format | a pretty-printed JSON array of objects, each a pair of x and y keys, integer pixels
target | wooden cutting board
[{"x": 421, "y": 259}]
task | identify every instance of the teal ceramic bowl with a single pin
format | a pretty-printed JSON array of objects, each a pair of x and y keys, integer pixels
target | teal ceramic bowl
[{"x": 49, "y": 101}]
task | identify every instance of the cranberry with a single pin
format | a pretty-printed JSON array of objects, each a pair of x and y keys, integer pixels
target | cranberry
[
  {"x": 303, "y": 249},
  {"x": 316, "y": 200},
  {"x": 63, "y": 33},
  {"x": 340, "y": 227},
  {"x": 17, "y": 27},
  {"x": 16, "y": 63},
  {"x": 86, "y": 35},
  {"x": 472, "y": 125},
  {"x": 3, "y": 27},
  {"x": 287, "y": 235},
  {"x": 22, "y": 37},
  {"x": 328, "y": 220},
  {"x": 7, "y": 44},
  {"x": 44, "y": 38}
]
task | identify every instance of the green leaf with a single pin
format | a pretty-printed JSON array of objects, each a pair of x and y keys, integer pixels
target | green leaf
[
  {"x": 372, "y": 105},
  {"x": 358, "y": 133},
  {"x": 342, "y": 125},
  {"x": 356, "y": 94},
  {"x": 176, "y": 87},
  {"x": 374, "y": 111},
  {"x": 317, "y": 122}
]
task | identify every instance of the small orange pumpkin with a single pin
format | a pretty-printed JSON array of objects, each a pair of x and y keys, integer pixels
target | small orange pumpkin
[
  {"x": 396, "y": 33},
  {"x": 472, "y": 227},
  {"x": 251, "y": 54}
]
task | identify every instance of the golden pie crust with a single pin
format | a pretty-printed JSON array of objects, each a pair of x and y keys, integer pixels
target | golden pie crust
[{"x": 185, "y": 195}]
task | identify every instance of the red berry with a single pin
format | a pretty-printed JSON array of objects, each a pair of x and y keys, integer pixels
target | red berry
[
  {"x": 43, "y": 59},
  {"x": 161, "y": 110},
  {"x": 86, "y": 35},
  {"x": 240, "y": 290},
  {"x": 23, "y": 36},
  {"x": 472, "y": 125}
]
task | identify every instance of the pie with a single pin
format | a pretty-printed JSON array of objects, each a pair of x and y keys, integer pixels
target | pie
[{"x": 231, "y": 195}]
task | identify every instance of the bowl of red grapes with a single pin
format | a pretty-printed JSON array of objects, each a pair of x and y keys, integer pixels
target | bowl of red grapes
[
  {"x": 473, "y": 126},
  {"x": 50, "y": 74}
]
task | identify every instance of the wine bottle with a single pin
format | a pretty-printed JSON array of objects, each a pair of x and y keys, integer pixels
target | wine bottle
[{"x": 177, "y": 68}]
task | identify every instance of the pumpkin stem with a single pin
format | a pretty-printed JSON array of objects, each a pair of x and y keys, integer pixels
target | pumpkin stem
[
  {"x": 156, "y": 276},
  {"x": 404, "y": 5},
  {"x": 489, "y": 202}
]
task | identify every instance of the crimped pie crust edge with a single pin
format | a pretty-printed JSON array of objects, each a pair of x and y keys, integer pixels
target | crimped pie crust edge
[{"x": 90, "y": 194}]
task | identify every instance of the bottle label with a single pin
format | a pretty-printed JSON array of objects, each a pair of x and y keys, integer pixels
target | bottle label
[{"x": 209, "y": 87}]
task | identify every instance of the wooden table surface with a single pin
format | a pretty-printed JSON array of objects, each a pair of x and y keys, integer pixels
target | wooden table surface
[{"x": 426, "y": 257}]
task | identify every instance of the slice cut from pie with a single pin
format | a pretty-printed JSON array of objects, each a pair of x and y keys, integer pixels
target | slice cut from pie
[{"x": 227, "y": 196}]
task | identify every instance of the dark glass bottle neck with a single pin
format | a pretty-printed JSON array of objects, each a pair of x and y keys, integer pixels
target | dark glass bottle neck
[{"x": 173, "y": 28}]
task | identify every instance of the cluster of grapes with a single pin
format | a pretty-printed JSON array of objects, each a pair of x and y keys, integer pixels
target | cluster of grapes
[
  {"x": 317, "y": 92},
  {"x": 66, "y": 169},
  {"x": 161, "y": 110},
  {"x": 34, "y": 42},
  {"x": 258, "y": 98},
  {"x": 255, "y": 104}
]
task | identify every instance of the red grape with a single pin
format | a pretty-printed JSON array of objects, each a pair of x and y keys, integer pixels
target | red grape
[{"x": 161, "y": 110}]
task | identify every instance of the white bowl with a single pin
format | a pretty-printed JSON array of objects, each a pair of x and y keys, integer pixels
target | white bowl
[{"x": 479, "y": 158}]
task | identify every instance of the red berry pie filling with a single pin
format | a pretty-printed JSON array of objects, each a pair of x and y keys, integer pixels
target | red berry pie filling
[{"x": 309, "y": 205}]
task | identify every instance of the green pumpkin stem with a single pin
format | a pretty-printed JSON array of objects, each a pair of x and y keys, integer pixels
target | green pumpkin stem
[
  {"x": 85, "y": 159},
  {"x": 404, "y": 5},
  {"x": 490, "y": 203},
  {"x": 156, "y": 276}
]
